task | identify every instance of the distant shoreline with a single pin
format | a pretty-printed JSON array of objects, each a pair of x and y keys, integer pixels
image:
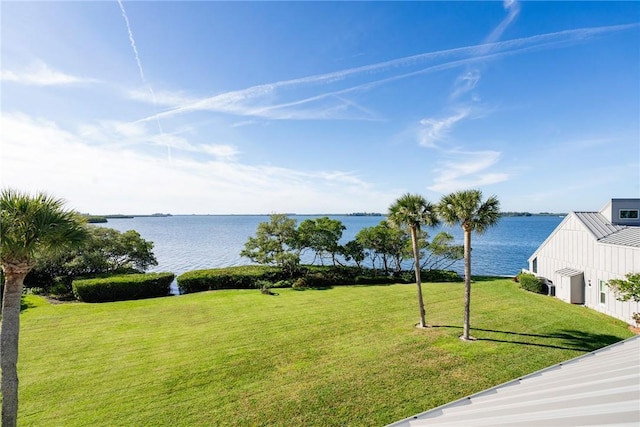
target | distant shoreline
[{"x": 364, "y": 214}]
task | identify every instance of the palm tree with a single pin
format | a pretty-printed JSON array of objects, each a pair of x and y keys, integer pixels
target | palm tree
[
  {"x": 467, "y": 209},
  {"x": 28, "y": 225},
  {"x": 413, "y": 211}
]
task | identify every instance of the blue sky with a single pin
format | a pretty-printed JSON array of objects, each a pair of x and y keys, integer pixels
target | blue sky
[{"x": 320, "y": 107}]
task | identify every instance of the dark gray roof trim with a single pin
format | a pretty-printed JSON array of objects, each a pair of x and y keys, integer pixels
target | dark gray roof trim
[{"x": 606, "y": 232}]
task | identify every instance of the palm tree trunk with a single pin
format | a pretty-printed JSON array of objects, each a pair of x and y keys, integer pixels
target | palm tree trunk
[
  {"x": 467, "y": 284},
  {"x": 9, "y": 334},
  {"x": 416, "y": 267}
]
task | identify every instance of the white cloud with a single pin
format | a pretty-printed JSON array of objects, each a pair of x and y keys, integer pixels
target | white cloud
[
  {"x": 119, "y": 134},
  {"x": 434, "y": 130},
  {"x": 467, "y": 169},
  {"x": 40, "y": 74},
  {"x": 104, "y": 178},
  {"x": 163, "y": 98},
  {"x": 513, "y": 9},
  {"x": 465, "y": 83},
  {"x": 221, "y": 150}
]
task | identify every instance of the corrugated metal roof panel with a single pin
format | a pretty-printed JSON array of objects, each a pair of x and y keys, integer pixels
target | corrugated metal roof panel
[
  {"x": 630, "y": 236},
  {"x": 597, "y": 224},
  {"x": 569, "y": 272},
  {"x": 606, "y": 232},
  {"x": 597, "y": 389}
]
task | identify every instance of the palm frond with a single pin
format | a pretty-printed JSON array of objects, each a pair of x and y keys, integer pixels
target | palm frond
[{"x": 35, "y": 223}]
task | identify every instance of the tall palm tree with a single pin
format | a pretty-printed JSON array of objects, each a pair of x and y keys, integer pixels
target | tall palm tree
[
  {"x": 467, "y": 209},
  {"x": 414, "y": 211},
  {"x": 28, "y": 225}
]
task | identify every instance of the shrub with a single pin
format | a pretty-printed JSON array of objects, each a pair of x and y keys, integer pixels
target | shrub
[
  {"x": 106, "y": 252},
  {"x": 243, "y": 277},
  {"x": 123, "y": 287},
  {"x": 318, "y": 280},
  {"x": 376, "y": 280},
  {"x": 283, "y": 284},
  {"x": 300, "y": 284},
  {"x": 530, "y": 283},
  {"x": 265, "y": 287},
  {"x": 441, "y": 276},
  {"x": 436, "y": 276}
]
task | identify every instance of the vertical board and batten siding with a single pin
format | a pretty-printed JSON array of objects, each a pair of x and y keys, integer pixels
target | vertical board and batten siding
[{"x": 571, "y": 245}]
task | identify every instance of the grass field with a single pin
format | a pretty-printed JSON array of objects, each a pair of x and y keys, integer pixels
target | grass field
[{"x": 335, "y": 357}]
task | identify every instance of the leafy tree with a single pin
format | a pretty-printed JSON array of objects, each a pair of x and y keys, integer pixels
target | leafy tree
[
  {"x": 628, "y": 289},
  {"x": 29, "y": 225},
  {"x": 467, "y": 209},
  {"x": 368, "y": 241},
  {"x": 441, "y": 253},
  {"x": 322, "y": 235},
  {"x": 386, "y": 243},
  {"x": 105, "y": 251},
  {"x": 275, "y": 243},
  {"x": 413, "y": 211},
  {"x": 353, "y": 251}
]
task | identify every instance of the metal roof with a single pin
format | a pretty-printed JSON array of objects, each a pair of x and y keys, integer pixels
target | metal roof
[
  {"x": 597, "y": 389},
  {"x": 569, "y": 272},
  {"x": 630, "y": 236},
  {"x": 597, "y": 224},
  {"x": 606, "y": 232}
]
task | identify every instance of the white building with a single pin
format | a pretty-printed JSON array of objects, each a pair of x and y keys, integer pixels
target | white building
[{"x": 588, "y": 249}]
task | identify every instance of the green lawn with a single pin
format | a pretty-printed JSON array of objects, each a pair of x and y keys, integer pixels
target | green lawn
[{"x": 342, "y": 356}]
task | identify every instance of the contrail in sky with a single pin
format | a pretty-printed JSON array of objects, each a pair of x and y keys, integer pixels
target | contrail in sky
[
  {"x": 132, "y": 40},
  {"x": 240, "y": 102},
  {"x": 470, "y": 77},
  {"x": 140, "y": 69}
]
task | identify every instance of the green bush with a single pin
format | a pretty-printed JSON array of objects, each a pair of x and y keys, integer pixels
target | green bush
[
  {"x": 123, "y": 287},
  {"x": 300, "y": 284},
  {"x": 319, "y": 280},
  {"x": 441, "y": 276},
  {"x": 433, "y": 276},
  {"x": 530, "y": 283},
  {"x": 243, "y": 277},
  {"x": 376, "y": 280},
  {"x": 283, "y": 284}
]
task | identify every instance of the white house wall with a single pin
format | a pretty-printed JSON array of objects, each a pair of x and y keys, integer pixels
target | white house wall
[{"x": 571, "y": 245}]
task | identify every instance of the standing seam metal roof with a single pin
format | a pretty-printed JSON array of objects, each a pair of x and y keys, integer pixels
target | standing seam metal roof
[
  {"x": 606, "y": 232},
  {"x": 597, "y": 224}
]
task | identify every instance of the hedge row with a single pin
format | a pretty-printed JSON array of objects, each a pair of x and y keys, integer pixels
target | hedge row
[
  {"x": 530, "y": 283},
  {"x": 123, "y": 287},
  {"x": 242, "y": 277},
  {"x": 249, "y": 277}
]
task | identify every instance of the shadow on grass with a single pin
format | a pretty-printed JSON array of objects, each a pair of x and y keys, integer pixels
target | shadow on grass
[
  {"x": 563, "y": 339},
  {"x": 25, "y": 305}
]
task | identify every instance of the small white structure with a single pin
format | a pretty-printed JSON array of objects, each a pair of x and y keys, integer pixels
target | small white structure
[{"x": 588, "y": 249}]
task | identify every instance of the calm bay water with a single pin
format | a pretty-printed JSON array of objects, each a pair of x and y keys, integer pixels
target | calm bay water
[{"x": 191, "y": 242}]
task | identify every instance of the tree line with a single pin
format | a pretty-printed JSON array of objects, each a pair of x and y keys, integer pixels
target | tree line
[{"x": 283, "y": 242}]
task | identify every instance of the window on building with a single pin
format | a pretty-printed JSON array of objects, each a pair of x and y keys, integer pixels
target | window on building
[
  {"x": 603, "y": 290},
  {"x": 629, "y": 213},
  {"x": 534, "y": 265}
]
